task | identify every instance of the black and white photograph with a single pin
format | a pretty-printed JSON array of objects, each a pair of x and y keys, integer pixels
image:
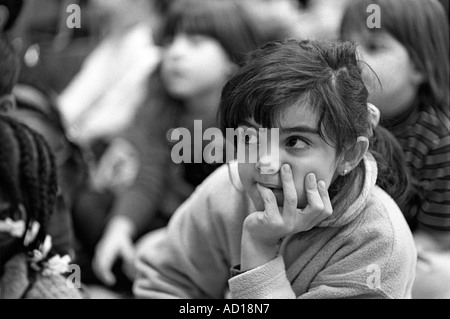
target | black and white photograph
[{"x": 224, "y": 154}]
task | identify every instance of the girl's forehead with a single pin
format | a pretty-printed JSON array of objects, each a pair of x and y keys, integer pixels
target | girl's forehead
[
  {"x": 287, "y": 117},
  {"x": 299, "y": 114}
]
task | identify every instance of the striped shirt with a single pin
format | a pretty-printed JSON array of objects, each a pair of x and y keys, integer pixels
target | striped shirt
[{"x": 425, "y": 138}]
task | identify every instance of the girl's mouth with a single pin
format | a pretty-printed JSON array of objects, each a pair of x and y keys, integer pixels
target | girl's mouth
[{"x": 277, "y": 191}]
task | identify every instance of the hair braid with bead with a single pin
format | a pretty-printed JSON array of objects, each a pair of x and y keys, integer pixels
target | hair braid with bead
[{"x": 35, "y": 184}]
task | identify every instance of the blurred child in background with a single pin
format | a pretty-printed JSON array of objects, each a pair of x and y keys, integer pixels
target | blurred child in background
[
  {"x": 29, "y": 267},
  {"x": 36, "y": 108},
  {"x": 409, "y": 53},
  {"x": 27, "y": 98},
  {"x": 102, "y": 98}
]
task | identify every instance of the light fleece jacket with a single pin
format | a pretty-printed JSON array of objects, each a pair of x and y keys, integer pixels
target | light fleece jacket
[{"x": 366, "y": 251}]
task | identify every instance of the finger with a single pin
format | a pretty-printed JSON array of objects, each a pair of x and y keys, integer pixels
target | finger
[
  {"x": 102, "y": 265},
  {"x": 328, "y": 209},
  {"x": 315, "y": 202},
  {"x": 129, "y": 268},
  {"x": 129, "y": 271},
  {"x": 324, "y": 195},
  {"x": 128, "y": 252},
  {"x": 289, "y": 191},
  {"x": 102, "y": 273},
  {"x": 269, "y": 199}
]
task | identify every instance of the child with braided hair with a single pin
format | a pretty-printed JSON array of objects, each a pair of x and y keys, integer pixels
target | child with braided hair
[
  {"x": 29, "y": 267},
  {"x": 31, "y": 103}
]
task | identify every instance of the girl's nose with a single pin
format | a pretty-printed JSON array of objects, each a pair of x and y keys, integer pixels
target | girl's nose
[
  {"x": 268, "y": 164},
  {"x": 177, "y": 47}
]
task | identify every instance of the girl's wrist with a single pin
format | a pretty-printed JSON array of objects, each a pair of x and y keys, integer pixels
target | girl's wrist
[
  {"x": 255, "y": 253},
  {"x": 122, "y": 225}
]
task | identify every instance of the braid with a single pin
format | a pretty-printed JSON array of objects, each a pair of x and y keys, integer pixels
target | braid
[
  {"x": 8, "y": 183},
  {"x": 47, "y": 176},
  {"x": 28, "y": 171},
  {"x": 36, "y": 185}
]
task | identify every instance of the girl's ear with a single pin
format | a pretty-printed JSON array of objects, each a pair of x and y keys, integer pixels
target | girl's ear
[
  {"x": 7, "y": 103},
  {"x": 353, "y": 155}
]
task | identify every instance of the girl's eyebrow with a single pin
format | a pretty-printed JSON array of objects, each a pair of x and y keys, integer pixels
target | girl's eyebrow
[
  {"x": 300, "y": 129},
  {"x": 287, "y": 130},
  {"x": 249, "y": 124}
]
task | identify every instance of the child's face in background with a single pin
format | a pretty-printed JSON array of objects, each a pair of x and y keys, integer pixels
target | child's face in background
[
  {"x": 194, "y": 65},
  {"x": 395, "y": 69},
  {"x": 300, "y": 146}
]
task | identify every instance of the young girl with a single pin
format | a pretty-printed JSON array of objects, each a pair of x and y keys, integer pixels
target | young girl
[
  {"x": 35, "y": 108},
  {"x": 313, "y": 223},
  {"x": 204, "y": 42},
  {"x": 409, "y": 54},
  {"x": 28, "y": 266}
]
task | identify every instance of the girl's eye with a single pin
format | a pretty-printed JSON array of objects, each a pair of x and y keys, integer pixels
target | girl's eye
[
  {"x": 166, "y": 42},
  {"x": 296, "y": 143},
  {"x": 372, "y": 47},
  {"x": 250, "y": 139},
  {"x": 197, "y": 39}
]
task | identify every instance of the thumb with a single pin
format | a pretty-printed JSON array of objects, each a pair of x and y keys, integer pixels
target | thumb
[{"x": 102, "y": 266}]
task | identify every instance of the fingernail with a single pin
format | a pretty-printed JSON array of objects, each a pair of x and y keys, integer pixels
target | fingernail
[
  {"x": 322, "y": 185},
  {"x": 286, "y": 168},
  {"x": 312, "y": 178}
]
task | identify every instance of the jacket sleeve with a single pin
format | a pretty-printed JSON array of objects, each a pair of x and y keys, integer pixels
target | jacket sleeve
[
  {"x": 270, "y": 281},
  {"x": 366, "y": 265},
  {"x": 185, "y": 259}
]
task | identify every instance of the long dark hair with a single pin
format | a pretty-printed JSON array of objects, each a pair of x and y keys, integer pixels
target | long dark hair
[{"x": 328, "y": 77}]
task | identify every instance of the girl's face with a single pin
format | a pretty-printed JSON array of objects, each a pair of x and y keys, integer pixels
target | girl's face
[
  {"x": 395, "y": 69},
  {"x": 301, "y": 147},
  {"x": 194, "y": 65}
]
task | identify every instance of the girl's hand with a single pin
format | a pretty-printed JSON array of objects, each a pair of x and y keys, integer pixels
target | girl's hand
[
  {"x": 263, "y": 230},
  {"x": 116, "y": 243}
]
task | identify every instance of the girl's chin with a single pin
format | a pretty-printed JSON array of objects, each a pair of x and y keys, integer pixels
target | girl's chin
[{"x": 259, "y": 204}]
